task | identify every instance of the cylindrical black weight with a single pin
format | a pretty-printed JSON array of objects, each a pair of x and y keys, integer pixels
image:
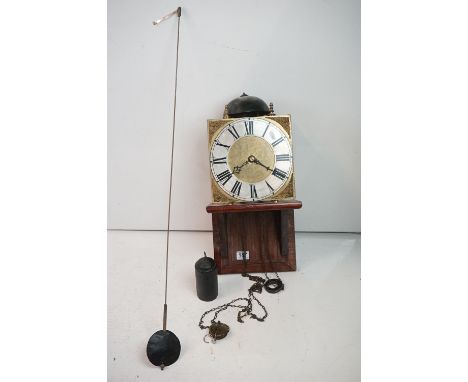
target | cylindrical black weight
[{"x": 206, "y": 275}]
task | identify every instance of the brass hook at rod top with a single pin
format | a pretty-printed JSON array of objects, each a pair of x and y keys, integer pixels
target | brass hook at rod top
[{"x": 177, "y": 12}]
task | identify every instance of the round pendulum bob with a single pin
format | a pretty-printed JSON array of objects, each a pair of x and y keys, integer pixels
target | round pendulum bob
[{"x": 163, "y": 348}]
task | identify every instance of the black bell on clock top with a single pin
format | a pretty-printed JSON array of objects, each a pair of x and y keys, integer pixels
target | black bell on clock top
[{"x": 247, "y": 106}]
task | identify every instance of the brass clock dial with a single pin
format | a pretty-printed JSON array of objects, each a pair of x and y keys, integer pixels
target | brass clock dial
[{"x": 251, "y": 159}]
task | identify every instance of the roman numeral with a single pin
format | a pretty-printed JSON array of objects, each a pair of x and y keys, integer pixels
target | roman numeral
[
  {"x": 278, "y": 141},
  {"x": 279, "y": 173},
  {"x": 219, "y": 160},
  {"x": 283, "y": 157},
  {"x": 271, "y": 188},
  {"x": 248, "y": 127},
  {"x": 220, "y": 144},
  {"x": 234, "y": 132},
  {"x": 224, "y": 177},
  {"x": 253, "y": 191},
  {"x": 236, "y": 188},
  {"x": 265, "y": 130}
]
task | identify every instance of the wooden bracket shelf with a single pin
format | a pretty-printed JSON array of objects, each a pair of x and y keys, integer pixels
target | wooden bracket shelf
[{"x": 265, "y": 229}]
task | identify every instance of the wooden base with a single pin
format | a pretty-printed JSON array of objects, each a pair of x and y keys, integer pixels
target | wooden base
[{"x": 264, "y": 229}]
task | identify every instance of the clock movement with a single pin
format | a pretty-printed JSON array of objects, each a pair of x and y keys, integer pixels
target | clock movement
[{"x": 252, "y": 182}]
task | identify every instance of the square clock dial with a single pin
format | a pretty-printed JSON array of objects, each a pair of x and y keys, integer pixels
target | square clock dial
[{"x": 251, "y": 159}]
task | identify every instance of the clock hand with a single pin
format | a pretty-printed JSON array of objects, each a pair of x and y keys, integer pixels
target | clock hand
[
  {"x": 261, "y": 164},
  {"x": 237, "y": 169},
  {"x": 252, "y": 159}
]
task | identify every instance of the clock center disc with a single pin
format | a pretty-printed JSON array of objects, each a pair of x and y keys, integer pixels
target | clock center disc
[{"x": 251, "y": 159}]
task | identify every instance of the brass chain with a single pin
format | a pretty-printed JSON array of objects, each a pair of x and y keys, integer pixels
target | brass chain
[
  {"x": 245, "y": 310},
  {"x": 264, "y": 283}
]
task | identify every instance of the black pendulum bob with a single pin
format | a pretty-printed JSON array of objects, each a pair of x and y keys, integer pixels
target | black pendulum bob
[{"x": 163, "y": 348}]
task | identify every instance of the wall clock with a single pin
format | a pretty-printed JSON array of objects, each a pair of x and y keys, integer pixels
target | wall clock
[{"x": 252, "y": 182}]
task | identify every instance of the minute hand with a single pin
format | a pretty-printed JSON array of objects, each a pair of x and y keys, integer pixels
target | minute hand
[{"x": 256, "y": 161}]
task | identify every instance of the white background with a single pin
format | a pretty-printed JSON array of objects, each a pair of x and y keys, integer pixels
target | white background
[{"x": 304, "y": 56}]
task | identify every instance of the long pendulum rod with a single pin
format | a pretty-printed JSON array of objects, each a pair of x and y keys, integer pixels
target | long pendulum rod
[
  {"x": 178, "y": 12},
  {"x": 163, "y": 347}
]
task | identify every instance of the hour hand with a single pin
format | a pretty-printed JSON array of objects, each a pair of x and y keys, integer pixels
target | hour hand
[{"x": 237, "y": 169}]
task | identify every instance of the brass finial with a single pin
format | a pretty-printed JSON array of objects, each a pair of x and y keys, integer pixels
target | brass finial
[
  {"x": 225, "y": 114},
  {"x": 272, "y": 112}
]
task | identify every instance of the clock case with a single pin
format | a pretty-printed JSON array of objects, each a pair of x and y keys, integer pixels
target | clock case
[{"x": 263, "y": 231}]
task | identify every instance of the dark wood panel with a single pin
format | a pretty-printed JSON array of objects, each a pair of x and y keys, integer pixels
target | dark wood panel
[{"x": 268, "y": 236}]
